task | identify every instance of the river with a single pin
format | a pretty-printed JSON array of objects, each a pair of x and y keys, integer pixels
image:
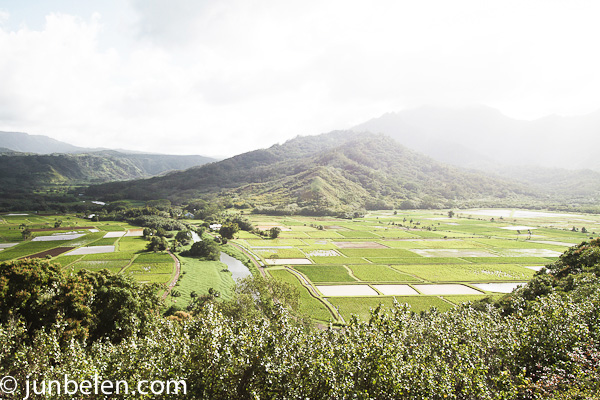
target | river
[
  {"x": 195, "y": 237},
  {"x": 238, "y": 270}
]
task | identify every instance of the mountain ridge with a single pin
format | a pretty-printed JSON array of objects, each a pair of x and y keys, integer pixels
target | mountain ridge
[
  {"x": 340, "y": 170},
  {"x": 484, "y": 137}
]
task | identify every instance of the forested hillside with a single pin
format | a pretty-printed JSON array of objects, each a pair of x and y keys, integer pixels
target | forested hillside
[
  {"x": 336, "y": 171},
  {"x": 27, "y": 172}
]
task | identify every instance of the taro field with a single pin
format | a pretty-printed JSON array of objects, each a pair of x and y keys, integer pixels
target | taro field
[
  {"x": 81, "y": 244},
  {"x": 422, "y": 258}
]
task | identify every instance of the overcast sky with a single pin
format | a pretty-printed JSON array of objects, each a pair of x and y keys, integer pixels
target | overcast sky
[{"x": 221, "y": 77}]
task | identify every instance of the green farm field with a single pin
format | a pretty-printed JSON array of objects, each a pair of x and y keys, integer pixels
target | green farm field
[
  {"x": 359, "y": 263},
  {"x": 492, "y": 249},
  {"x": 91, "y": 250}
]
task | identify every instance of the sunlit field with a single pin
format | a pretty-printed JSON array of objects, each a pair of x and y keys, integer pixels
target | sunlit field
[{"x": 422, "y": 258}]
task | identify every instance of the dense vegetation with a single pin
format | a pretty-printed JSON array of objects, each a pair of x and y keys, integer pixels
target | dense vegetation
[
  {"x": 542, "y": 341},
  {"x": 339, "y": 171},
  {"x": 51, "y": 176}
]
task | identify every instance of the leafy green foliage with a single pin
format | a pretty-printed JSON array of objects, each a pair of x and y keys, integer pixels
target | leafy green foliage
[
  {"x": 206, "y": 249},
  {"x": 228, "y": 230},
  {"x": 157, "y": 243},
  {"x": 274, "y": 232},
  {"x": 93, "y": 305}
]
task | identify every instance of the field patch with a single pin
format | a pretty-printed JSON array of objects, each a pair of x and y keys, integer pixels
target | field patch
[
  {"x": 103, "y": 242},
  {"x": 465, "y": 299},
  {"x": 518, "y": 228},
  {"x": 65, "y": 260},
  {"x": 286, "y": 261},
  {"x": 274, "y": 242},
  {"x": 396, "y": 234},
  {"x": 153, "y": 258},
  {"x": 92, "y": 250},
  {"x": 28, "y": 248},
  {"x": 199, "y": 276},
  {"x": 115, "y": 234},
  {"x": 135, "y": 232},
  {"x": 448, "y": 244},
  {"x": 358, "y": 234},
  {"x": 387, "y": 253},
  {"x": 308, "y": 304},
  {"x": 445, "y": 289},
  {"x": 339, "y": 260},
  {"x": 132, "y": 244},
  {"x": 531, "y": 253},
  {"x": 359, "y": 245},
  {"x": 324, "y": 234},
  {"x": 504, "y": 287},
  {"x": 152, "y": 278},
  {"x": 325, "y": 273},
  {"x": 52, "y": 252},
  {"x": 346, "y": 290},
  {"x": 322, "y": 253},
  {"x": 279, "y": 253},
  {"x": 417, "y": 260},
  {"x": 56, "y": 237},
  {"x": 453, "y": 253},
  {"x": 101, "y": 264},
  {"x": 508, "y": 260},
  {"x": 151, "y": 268},
  {"x": 380, "y": 273},
  {"x": 348, "y": 306},
  {"x": 468, "y": 272},
  {"x": 396, "y": 290}
]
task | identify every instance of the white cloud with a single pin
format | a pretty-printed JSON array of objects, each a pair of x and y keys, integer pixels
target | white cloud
[{"x": 221, "y": 77}]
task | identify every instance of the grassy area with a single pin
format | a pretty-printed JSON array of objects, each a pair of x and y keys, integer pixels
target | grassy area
[
  {"x": 104, "y": 242},
  {"x": 379, "y": 253},
  {"x": 325, "y": 273},
  {"x": 380, "y": 273},
  {"x": 339, "y": 260},
  {"x": 132, "y": 244},
  {"x": 468, "y": 272},
  {"x": 28, "y": 248},
  {"x": 308, "y": 304},
  {"x": 151, "y": 268},
  {"x": 199, "y": 276},
  {"x": 153, "y": 258},
  {"x": 94, "y": 265},
  {"x": 280, "y": 253}
]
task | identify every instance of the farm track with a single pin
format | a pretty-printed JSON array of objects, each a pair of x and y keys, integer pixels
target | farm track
[
  {"x": 312, "y": 291},
  {"x": 175, "y": 278}
]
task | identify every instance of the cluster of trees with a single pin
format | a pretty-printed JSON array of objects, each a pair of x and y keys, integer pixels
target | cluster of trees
[
  {"x": 540, "y": 342},
  {"x": 88, "y": 306}
]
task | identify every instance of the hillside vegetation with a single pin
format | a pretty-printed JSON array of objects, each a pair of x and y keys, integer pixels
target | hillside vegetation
[
  {"x": 540, "y": 342},
  {"x": 20, "y": 172},
  {"x": 338, "y": 171}
]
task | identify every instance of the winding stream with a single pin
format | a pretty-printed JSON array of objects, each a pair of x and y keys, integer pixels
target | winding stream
[{"x": 238, "y": 270}]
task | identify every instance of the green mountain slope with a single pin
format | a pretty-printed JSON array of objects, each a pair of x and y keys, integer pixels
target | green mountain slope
[
  {"x": 339, "y": 171},
  {"x": 28, "y": 172}
]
